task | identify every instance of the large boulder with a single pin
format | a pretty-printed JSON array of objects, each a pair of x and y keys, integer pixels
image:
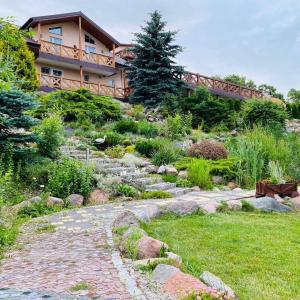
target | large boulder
[
  {"x": 268, "y": 204},
  {"x": 54, "y": 201},
  {"x": 183, "y": 174},
  {"x": 209, "y": 207},
  {"x": 232, "y": 185},
  {"x": 234, "y": 204},
  {"x": 217, "y": 179},
  {"x": 171, "y": 170},
  {"x": 125, "y": 219},
  {"x": 161, "y": 170},
  {"x": 149, "y": 247},
  {"x": 182, "y": 208},
  {"x": 296, "y": 203},
  {"x": 75, "y": 200},
  {"x": 149, "y": 212},
  {"x": 216, "y": 283},
  {"x": 164, "y": 272},
  {"x": 97, "y": 196},
  {"x": 174, "y": 257}
]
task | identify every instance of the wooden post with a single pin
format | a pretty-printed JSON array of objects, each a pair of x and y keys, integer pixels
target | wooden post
[
  {"x": 81, "y": 76},
  {"x": 39, "y": 32},
  {"x": 114, "y": 55},
  {"x": 99, "y": 88},
  {"x": 80, "y": 39}
]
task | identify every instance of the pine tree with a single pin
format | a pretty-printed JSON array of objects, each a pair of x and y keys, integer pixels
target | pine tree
[
  {"x": 153, "y": 73},
  {"x": 14, "y": 122}
]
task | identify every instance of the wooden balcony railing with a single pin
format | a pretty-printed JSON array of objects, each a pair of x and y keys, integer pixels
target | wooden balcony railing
[
  {"x": 74, "y": 53},
  {"x": 72, "y": 84},
  {"x": 125, "y": 54}
]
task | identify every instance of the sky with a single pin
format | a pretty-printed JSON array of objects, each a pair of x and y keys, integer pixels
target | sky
[{"x": 259, "y": 39}]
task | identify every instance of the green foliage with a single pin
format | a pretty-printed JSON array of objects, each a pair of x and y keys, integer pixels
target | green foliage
[
  {"x": 14, "y": 51},
  {"x": 156, "y": 195},
  {"x": 138, "y": 112},
  {"x": 208, "y": 149},
  {"x": 247, "y": 207},
  {"x": 169, "y": 178},
  {"x": 112, "y": 139},
  {"x": 264, "y": 113},
  {"x": 115, "y": 151},
  {"x": 80, "y": 287},
  {"x": 69, "y": 177},
  {"x": 147, "y": 129},
  {"x": 126, "y": 190},
  {"x": 293, "y": 109},
  {"x": 294, "y": 95},
  {"x": 271, "y": 91},
  {"x": 50, "y": 136},
  {"x": 199, "y": 174},
  {"x": 13, "y": 119},
  {"x": 79, "y": 105},
  {"x": 131, "y": 243},
  {"x": 147, "y": 147},
  {"x": 38, "y": 209},
  {"x": 126, "y": 125},
  {"x": 153, "y": 73},
  {"x": 165, "y": 154},
  {"x": 177, "y": 127}
]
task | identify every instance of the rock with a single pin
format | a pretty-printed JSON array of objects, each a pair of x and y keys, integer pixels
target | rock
[
  {"x": 149, "y": 261},
  {"x": 149, "y": 212},
  {"x": 54, "y": 201},
  {"x": 163, "y": 272},
  {"x": 151, "y": 169},
  {"x": 296, "y": 203},
  {"x": 174, "y": 257},
  {"x": 125, "y": 218},
  {"x": 183, "y": 174},
  {"x": 215, "y": 189},
  {"x": 233, "y": 132},
  {"x": 35, "y": 199},
  {"x": 232, "y": 185},
  {"x": 268, "y": 204},
  {"x": 216, "y": 283},
  {"x": 234, "y": 205},
  {"x": 209, "y": 208},
  {"x": 75, "y": 200},
  {"x": 171, "y": 170},
  {"x": 196, "y": 189},
  {"x": 237, "y": 190},
  {"x": 97, "y": 196},
  {"x": 182, "y": 208},
  {"x": 278, "y": 198},
  {"x": 161, "y": 170},
  {"x": 149, "y": 247},
  {"x": 217, "y": 179}
]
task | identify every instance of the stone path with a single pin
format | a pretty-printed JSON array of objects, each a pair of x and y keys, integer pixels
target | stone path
[{"x": 51, "y": 265}]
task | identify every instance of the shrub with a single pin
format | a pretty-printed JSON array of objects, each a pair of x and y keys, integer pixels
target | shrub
[
  {"x": 69, "y": 177},
  {"x": 129, "y": 149},
  {"x": 138, "y": 112},
  {"x": 209, "y": 150},
  {"x": 166, "y": 154},
  {"x": 126, "y": 190},
  {"x": 246, "y": 206},
  {"x": 156, "y": 195},
  {"x": 147, "y": 147},
  {"x": 50, "y": 136},
  {"x": 115, "y": 151},
  {"x": 147, "y": 129},
  {"x": 264, "y": 113},
  {"x": 38, "y": 209},
  {"x": 199, "y": 174},
  {"x": 126, "y": 125},
  {"x": 169, "y": 178},
  {"x": 294, "y": 110}
]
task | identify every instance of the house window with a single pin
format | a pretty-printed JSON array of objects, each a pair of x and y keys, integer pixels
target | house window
[
  {"x": 88, "y": 39},
  {"x": 46, "y": 70},
  {"x": 55, "y": 40},
  {"x": 89, "y": 49},
  {"x": 111, "y": 83},
  {"x": 55, "y": 30},
  {"x": 56, "y": 72},
  {"x": 86, "y": 77}
]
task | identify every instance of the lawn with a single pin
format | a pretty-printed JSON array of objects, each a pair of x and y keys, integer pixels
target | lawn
[{"x": 257, "y": 254}]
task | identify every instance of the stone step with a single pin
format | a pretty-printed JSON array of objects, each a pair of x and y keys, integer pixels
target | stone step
[
  {"x": 108, "y": 165},
  {"x": 142, "y": 182},
  {"x": 163, "y": 186},
  {"x": 178, "y": 191},
  {"x": 120, "y": 170},
  {"x": 130, "y": 177}
]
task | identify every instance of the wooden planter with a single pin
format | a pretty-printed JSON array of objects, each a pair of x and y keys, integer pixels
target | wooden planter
[{"x": 269, "y": 189}]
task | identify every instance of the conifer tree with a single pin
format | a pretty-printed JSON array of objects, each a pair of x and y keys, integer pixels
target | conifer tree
[{"x": 153, "y": 73}]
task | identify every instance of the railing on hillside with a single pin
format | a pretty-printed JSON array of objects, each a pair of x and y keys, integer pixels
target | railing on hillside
[
  {"x": 63, "y": 83},
  {"x": 74, "y": 53}
]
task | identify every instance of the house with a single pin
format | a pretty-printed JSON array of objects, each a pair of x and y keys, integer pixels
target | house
[{"x": 73, "y": 52}]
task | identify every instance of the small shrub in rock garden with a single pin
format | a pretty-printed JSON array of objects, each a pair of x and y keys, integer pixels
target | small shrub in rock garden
[
  {"x": 169, "y": 178},
  {"x": 199, "y": 174},
  {"x": 126, "y": 125},
  {"x": 80, "y": 286},
  {"x": 208, "y": 149},
  {"x": 38, "y": 209},
  {"x": 156, "y": 195},
  {"x": 126, "y": 190},
  {"x": 131, "y": 244},
  {"x": 115, "y": 152},
  {"x": 69, "y": 176},
  {"x": 138, "y": 112},
  {"x": 223, "y": 207},
  {"x": 112, "y": 139},
  {"x": 147, "y": 129},
  {"x": 184, "y": 183},
  {"x": 246, "y": 206},
  {"x": 166, "y": 154},
  {"x": 129, "y": 149},
  {"x": 147, "y": 147}
]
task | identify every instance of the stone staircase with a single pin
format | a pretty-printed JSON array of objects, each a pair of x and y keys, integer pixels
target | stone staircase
[{"x": 139, "y": 177}]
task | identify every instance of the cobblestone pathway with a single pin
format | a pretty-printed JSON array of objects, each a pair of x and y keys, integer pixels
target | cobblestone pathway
[{"x": 51, "y": 265}]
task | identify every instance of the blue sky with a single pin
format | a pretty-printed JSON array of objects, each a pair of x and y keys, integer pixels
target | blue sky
[{"x": 259, "y": 39}]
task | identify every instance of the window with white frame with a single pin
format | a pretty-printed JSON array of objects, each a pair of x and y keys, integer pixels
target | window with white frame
[
  {"x": 55, "y": 40},
  {"x": 51, "y": 71},
  {"x": 55, "y": 30}
]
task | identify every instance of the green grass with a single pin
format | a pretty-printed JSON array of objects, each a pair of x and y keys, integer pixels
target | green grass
[
  {"x": 80, "y": 286},
  {"x": 256, "y": 254}
]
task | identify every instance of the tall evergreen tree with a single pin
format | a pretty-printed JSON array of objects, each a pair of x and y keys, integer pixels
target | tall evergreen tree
[{"x": 153, "y": 73}]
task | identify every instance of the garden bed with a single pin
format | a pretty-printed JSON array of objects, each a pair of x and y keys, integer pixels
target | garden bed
[{"x": 254, "y": 253}]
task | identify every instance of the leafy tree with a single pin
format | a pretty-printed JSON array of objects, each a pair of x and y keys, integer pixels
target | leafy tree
[
  {"x": 14, "y": 121},
  {"x": 14, "y": 52},
  {"x": 271, "y": 91},
  {"x": 153, "y": 73},
  {"x": 240, "y": 80},
  {"x": 294, "y": 95}
]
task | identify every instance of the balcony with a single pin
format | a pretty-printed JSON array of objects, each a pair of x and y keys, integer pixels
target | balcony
[
  {"x": 77, "y": 54},
  {"x": 68, "y": 84}
]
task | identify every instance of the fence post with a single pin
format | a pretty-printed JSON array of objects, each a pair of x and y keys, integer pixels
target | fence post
[{"x": 87, "y": 154}]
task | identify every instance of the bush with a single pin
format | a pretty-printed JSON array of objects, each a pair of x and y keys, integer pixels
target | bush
[
  {"x": 50, "y": 136},
  {"x": 264, "y": 113},
  {"x": 38, "y": 209},
  {"x": 69, "y": 176},
  {"x": 126, "y": 190},
  {"x": 147, "y": 129},
  {"x": 169, "y": 178},
  {"x": 138, "y": 112},
  {"x": 156, "y": 195},
  {"x": 166, "y": 154},
  {"x": 147, "y": 147},
  {"x": 208, "y": 150},
  {"x": 115, "y": 151},
  {"x": 199, "y": 174},
  {"x": 293, "y": 110},
  {"x": 126, "y": 125}
]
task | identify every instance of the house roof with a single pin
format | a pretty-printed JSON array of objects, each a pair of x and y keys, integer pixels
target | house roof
[{"x": 86, "y": 23}]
